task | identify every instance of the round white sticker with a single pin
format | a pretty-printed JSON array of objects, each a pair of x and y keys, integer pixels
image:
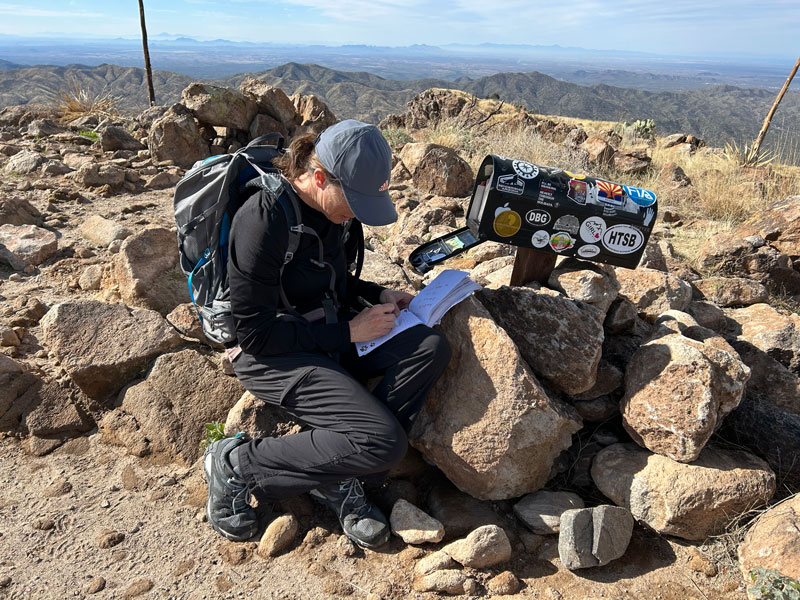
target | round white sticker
[
  {"x": 537, "y": 216},
  {"x": 592, "y": 230},
  {"x": 540, "y": 239},
  {"x": 589, "y": 251},
  {"x": 623, "y": 239},
  {"x": 524, "y": 169}
]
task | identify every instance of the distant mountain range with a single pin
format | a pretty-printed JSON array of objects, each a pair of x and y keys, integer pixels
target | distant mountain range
[{"x": 718, "y": 114}]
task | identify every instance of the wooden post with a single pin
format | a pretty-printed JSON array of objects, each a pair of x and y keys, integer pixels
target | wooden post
[
  {"x": 757, "y": 143},
  {"x": 532, "y": 265}
]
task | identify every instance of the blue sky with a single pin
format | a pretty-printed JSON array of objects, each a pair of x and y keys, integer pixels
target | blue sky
[{"x": 665, "y": 26}]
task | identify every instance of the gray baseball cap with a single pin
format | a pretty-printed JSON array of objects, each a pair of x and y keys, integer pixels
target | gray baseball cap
[{"x": 356, "y": 154}]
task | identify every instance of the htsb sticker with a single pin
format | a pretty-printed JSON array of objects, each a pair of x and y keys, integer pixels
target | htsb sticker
[
  {"x": 524, "y": 169},
  {"x": 511, "y": 184},
  {"x": 537, "y": 216},
  {"x": 589, "y": 251},
  {"x": 640, "y": 196},
  {"x": 623, "y": 239}
]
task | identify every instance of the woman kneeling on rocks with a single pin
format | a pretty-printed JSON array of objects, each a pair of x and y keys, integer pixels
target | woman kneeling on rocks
[{"x": 297, "y": 334}]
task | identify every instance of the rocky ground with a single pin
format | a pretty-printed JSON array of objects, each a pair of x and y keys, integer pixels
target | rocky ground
[{"x": 667, "y": 396}]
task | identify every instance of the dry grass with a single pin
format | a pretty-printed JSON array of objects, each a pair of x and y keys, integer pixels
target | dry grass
[{"x": 76, "y": 102}]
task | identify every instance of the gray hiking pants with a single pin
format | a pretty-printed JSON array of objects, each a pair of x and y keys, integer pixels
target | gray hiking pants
[{"x": 353, "y": 433}]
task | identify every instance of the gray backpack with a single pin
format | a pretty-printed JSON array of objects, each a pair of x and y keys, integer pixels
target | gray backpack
[{"x": 205, "y": 202}]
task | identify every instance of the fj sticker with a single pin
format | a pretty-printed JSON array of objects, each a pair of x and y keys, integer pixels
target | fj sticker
[
  {"x": 540, "y": 239},
  {"x": 561, "y": 241},
  {"x": 511, "y": 184},
  {"x": 525, "y": 170},
  {"x": 589, "y": 251},
  {"x": 623, "y": 239},
  {"x": 537, "y": 216},
  {"x": 640, "y": 196},
  {"x": 568, "y": 223},
  {"x": 592, "y": 230},
  {"x": 506, "y": 221}
]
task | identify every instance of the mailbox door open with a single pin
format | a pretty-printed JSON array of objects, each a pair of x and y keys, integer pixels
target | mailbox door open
[{"x": 551, "y": 210}]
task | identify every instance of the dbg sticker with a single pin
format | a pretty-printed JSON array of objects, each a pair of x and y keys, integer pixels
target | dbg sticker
[{"x": 537, "y": 216}]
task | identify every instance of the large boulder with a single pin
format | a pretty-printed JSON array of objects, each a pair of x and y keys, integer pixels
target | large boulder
[
  {"x": 779, "y": 225},
  {"x": 104, "y": 346},
  {"x": 18, "y": 211},
  {"x": 312, "y": 113},
  {"x": 219, "y": 106},
  {"x": 561, "y": 339},
  {"x": 487, "y": 423},
  {"x": 22, "y": 245},
  {"x": 730, "y": 254},
  {"x": 679, "y": 386},
  {"x": 175, "y": 137},
  {"x": 773, "y": 541},
  {"x": 258, "y": 419},
  {"x": 690, "y": 501},
  {"x": 118, "y": 138},
  {"x": 146, "y": 271},
  {"x": 437, "y": 169},
  {"x": 102, "y": 232},
  {"x": 653, "y": 292},
  {"x": 25, "y": 162},
  {"x": 95, "y": 175},
  {"x": 588, "y": 282},
  {"x": 731, "y": 291},
  {"x": 166, "y": 412},
  {"x": 271, "y": 101},
  {"x": 775, "y": 333}
]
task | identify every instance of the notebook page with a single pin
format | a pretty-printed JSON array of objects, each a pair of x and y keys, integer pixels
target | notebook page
[
  {"x": 403, "y": 321},
  {"x": 463, "y": 290},
  {"x": 425, "y": 302}
]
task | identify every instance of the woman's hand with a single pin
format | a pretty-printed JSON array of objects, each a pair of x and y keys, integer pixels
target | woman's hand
[
  {"x": 400, "y": 300},
  {"x": 372, "y": 323}
]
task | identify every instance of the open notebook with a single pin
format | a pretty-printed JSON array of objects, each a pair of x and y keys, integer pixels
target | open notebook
[{"x": 429, "y": 306}]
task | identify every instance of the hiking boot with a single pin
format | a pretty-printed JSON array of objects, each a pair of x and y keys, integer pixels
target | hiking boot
[
  {"x": 361, "y": 520},
  {"x": 227, "y": 509}
]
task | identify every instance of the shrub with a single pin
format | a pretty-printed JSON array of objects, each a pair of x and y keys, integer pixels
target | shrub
[
  {"x": 90, "y": 134},
  {"x": 214, "y": 432},
  {"x": 397, "y": 137},
  {"x": 771, "y": 585},
  {"x": 76, "y": 102}
]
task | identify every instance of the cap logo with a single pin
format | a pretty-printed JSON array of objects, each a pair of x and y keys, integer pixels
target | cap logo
[{"x": 384, "y": 187}]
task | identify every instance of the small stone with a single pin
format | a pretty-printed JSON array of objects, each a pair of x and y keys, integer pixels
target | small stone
[
  {"x": 438, "y": 561},
  {"x": 224, "y": 583},
  {"x": 448, "y": 582},
  {"x": 108, "y": 538},
  {"x": 44, "y": 524},
  {"x": 504, "y": 584},
  {"x": 484, "y": 547},
  {"x": 278, "y": 536},
  {"x": 700, "y": 564},
  {"x": 471, "y": 587},
  {"x": 346, "y": 547},
  {"x": 5, "y": 581},
  {"x": 91, "y": 278},
  {"x": 413, "y": 525},
  {"x": 58, "y": 487},
  {"x": 541, "y": 511},
  {"x": 236, "y": 554},
  {"x": 105, "y": 504},
  {"x": 97, "y": 584},
  {"x": 137, "y": 588},
  {"x": 8, "y": 337},
  {"x": 315, "y": 537},
  {"x": 591, "y": 537},
  {"x": 167, "y": 481}
]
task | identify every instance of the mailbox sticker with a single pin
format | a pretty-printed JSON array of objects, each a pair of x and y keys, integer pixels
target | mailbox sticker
[
  {"x": 568, "y": 223},
  {"x": 511, "y": 184},
  {"x": 540, "y": 239},
  {"x": 577, "y": 191},
  {"x": 623, "y": 239},
  {"x": 610, "y": 193},
  {"x": 537, "y": 216},
  {"x": 640, "y": 196},
  {"x": 592, "y": 230},
  {"x": 589, "y": 251},
  {"x": 525, "y": 170},
  {"x": 506, "y": 221},
  {"x": 561, "y": 241}
]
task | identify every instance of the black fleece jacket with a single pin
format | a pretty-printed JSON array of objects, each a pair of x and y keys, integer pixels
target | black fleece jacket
[{"x": 258, "y": 243}]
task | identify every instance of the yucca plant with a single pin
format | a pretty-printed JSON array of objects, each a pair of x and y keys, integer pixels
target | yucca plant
[
  {"x": 748, "y": 156},
  {"x": 76, "y": 101}
]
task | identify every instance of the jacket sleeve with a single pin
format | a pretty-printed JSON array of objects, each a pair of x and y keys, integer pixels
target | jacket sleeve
[{"x": 259, "y": 239}]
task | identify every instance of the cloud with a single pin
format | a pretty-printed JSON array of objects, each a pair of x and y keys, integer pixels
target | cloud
[{"x": 18, "y": 10}]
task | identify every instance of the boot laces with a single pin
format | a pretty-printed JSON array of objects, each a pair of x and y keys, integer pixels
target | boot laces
[{"x": 354, "y": 496}]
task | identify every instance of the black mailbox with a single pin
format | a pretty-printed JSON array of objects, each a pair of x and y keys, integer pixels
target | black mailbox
[{"x": 551, "y": 210}]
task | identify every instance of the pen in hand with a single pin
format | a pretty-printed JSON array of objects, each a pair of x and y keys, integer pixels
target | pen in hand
[{"x": 364, "y": 302}]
